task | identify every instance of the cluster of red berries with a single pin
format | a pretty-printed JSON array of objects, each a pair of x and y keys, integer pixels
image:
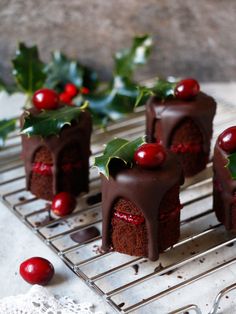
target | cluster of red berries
[
  {"x": 187, "y": 89},
  {"x": 48, "y": 99}
]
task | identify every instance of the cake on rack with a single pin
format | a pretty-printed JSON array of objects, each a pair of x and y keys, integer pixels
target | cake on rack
[
  {"x": 140, "y": 197},
  {"x": 224, "y": 180},
  {"x": 180, "y": 116},
  {"x": 55, "y": 146}
]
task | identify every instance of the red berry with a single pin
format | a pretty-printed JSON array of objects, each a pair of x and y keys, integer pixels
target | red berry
[
  {"x": 63, "y": 204},
  {"x": 65, "y": 98},
  {"x": 227, "y": 140},
  {"x": 150, "y": 155},
  {"x": 71, "y": 90},
  {"x": 45, "y": 99},
  {"x": 85, "y": 91},
  {"x": 187, "y": 88},
  {"x": 37, "y": 270}
]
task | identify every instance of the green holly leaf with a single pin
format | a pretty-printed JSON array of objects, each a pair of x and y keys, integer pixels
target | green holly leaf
[
  {"x": 62, "y": 70},
  {"x": 231, "y": 165},
  {"x": 50, "y": 122},
  {"x": 28, "y": 69},
  {"x": 162, "y": 89},
  {"x": 117, "y": 149},
  {"x": 6, "y": 126},
  {"x": 128, "y": 59}
]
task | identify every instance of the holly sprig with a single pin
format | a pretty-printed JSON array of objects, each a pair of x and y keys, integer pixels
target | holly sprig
[
  {"x": 108, "y": 103},
  {"x": 120, "y": 149},
  {"x": 50, "y": 122}
]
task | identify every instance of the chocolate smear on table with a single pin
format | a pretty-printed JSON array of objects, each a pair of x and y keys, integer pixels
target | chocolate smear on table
[{"x": 85, "y": 234}]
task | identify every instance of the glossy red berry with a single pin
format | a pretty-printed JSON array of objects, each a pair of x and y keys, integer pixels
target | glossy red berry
[
  {"x": 37, "y": 270},
  {"x": 187, "y": 88},
  {"x": 63, "y": 204},
  {"x": 65, "y": 98},
  {"x": 45, "y": 99},
  {"x": 150, "y": 155},
  {"x": 71, "y": 90},
  {"x": 227, "y": 140}
]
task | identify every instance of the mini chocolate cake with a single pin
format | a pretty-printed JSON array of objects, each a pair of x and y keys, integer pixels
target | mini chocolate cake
[
  {"x": 184, "y": 126},
  {"x": 141, "y": 208},
  {"x": 58, "y": 162},
  {"x": 224, "y": 180}
]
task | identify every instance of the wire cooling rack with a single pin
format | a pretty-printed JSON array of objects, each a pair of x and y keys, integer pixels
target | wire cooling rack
[{"x": 134, "y": 284}]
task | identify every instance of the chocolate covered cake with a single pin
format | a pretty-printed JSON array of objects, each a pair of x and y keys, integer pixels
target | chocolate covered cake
[
  {"x": 224, "y": 180},
  {"x": 140, "y": 201},
  {"x": 56, "y": 150},
  {"x": 183, "y": 124}
]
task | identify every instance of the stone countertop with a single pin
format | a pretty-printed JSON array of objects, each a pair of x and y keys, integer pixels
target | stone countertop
[{"x": 18, "y": 243}]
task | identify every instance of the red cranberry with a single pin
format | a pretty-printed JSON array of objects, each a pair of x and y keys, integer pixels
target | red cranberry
[
  {"x": 71, "y": 90},
  {"x": 37, "y": 270},
  {"x": 187, "y": 88},
  {"x": 63, "y": 204},
  {"x": 65, "y": 98},
  {"x": 227, "y": 140},
  {"x": 45, "y": 99},
  {"x": 150, "y": 155}
]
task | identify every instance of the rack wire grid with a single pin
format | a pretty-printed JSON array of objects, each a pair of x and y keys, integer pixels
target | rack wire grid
[{"x": 134, "y": 284}]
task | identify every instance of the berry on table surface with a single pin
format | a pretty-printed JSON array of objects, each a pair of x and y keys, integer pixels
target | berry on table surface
[
  {"x": 71, "y": 90},
  {"x": 37, "y": 270},
  {"x": 150, "y": 155},
  {"x": 187, "y": 88},
  {"x": 45, "y": 99},
  {"x": 227, "y": 140},
  {"x": 63, "y": 204}
]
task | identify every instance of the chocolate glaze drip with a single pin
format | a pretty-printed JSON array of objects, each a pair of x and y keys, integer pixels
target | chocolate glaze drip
[
  {"x": 228, "y": 185},
  {"x": 146, "y": 189},
  {"x": 171, "y": 112},
  {"x": 77, "y": 134}
]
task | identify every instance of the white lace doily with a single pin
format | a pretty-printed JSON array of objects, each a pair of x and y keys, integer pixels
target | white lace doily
[{"x": 39, "y": 300}]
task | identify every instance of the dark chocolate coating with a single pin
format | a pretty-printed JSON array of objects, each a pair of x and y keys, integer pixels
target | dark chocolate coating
[
  {"x": 146, "y": 189},
  {"x": 77, "y": 134},
  {"x": 228, "y": 186},
  {"x": 171, "y": 112}
]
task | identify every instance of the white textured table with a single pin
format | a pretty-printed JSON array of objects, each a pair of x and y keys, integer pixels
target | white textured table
[{"x": 18, "y": 243}]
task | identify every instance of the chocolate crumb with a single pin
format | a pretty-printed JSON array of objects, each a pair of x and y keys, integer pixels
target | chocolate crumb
[
  {"x": 226, "y": 296},
  {"x": 21, "y": 198},
  {"x": 121, "y": 304},
  {"x": 180, "y": 277},
  {"x": 136, "y": 268},
  {"x": 192, "y": 253},
  {"x": 230, "y": 244}
]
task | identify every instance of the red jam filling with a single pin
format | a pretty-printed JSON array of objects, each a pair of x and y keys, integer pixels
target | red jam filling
[
  {"x": 46, "y": 169},
  {"x": 133, "y": 219},
  {"x": 186, "y": 148},
  {"x": 138, "y": 220}
]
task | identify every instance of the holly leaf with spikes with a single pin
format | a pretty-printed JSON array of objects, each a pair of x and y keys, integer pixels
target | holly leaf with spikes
[
  {"x": 231, "y": 165},
  {"x": 118, "y": 99},
  {"x": 120, "y": 149},
  {"x": 50, "y": 122},
  {"x": 28, "y": 69},
  {"x": 6, "y": 126},
  {"x": 162, "y": 89},
  {"x": 62, "y": 70}
]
